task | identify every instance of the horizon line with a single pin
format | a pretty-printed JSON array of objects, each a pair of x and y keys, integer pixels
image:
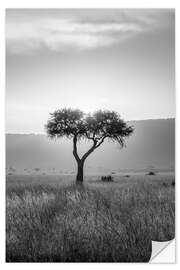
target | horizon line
[{"x": 41, "y": 133}]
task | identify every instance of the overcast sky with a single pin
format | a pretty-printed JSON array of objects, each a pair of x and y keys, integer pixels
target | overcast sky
[{"x": 118, "y": 59}]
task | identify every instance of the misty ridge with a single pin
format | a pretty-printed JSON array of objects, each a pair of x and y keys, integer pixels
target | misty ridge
[{"x": 151, "y": 147}]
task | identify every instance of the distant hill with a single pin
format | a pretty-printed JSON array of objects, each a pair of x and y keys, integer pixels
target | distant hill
[{"x": 151, "y": 145}]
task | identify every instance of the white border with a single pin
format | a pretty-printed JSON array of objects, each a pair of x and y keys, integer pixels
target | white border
[{"x": 76, "y": 4}]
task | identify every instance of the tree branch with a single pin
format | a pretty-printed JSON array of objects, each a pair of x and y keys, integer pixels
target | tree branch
[
  {"x": 95, "y": 145},
  {"x": 89, "y": 151},
  {"x": 101, "y": 141}
]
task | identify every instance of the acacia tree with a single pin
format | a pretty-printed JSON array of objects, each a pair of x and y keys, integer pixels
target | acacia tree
[{"x": 96, "y": 127}]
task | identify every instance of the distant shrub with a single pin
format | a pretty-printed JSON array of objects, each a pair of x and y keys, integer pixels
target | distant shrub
[
  {"x": 12, "y": 169},
  {"x": 108, "y": 178},
  {"x": 151, "y": 173},
  {"x": 173, "y": 183},
  {"x": 37, "y": 169}
]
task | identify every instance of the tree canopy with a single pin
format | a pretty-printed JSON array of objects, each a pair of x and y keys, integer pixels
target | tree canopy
[{"x": 96, "y": 127}]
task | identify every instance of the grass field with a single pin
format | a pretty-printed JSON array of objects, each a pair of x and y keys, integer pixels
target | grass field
[{"x": 48, "y": 219}]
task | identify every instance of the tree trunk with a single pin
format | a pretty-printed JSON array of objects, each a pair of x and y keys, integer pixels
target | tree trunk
[{"x": 79, "y": 177}]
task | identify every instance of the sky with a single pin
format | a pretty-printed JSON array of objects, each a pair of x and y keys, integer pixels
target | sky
[{"x": 116, "y": 59}]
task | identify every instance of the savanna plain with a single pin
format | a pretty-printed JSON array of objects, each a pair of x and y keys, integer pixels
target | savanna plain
[{"x": 50, "y": 219}]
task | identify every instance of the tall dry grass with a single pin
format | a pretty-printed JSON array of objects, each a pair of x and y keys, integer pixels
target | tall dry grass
[{"x": 109, "y": 222}]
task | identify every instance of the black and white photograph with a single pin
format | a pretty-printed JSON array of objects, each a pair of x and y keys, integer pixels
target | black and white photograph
[{"x": 90, "y": 133}]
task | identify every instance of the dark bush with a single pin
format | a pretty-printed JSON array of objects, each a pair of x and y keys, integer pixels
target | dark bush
[
  {"x": 173, "y": 183},
  {"x": 151, "y": 173},
  {"x": 108, "y": 178}
]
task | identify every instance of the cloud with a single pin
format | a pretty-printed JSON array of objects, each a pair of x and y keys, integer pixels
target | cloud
[
  {"x": 57, "y": 35},
  {"x": 29, "y": 35}
]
